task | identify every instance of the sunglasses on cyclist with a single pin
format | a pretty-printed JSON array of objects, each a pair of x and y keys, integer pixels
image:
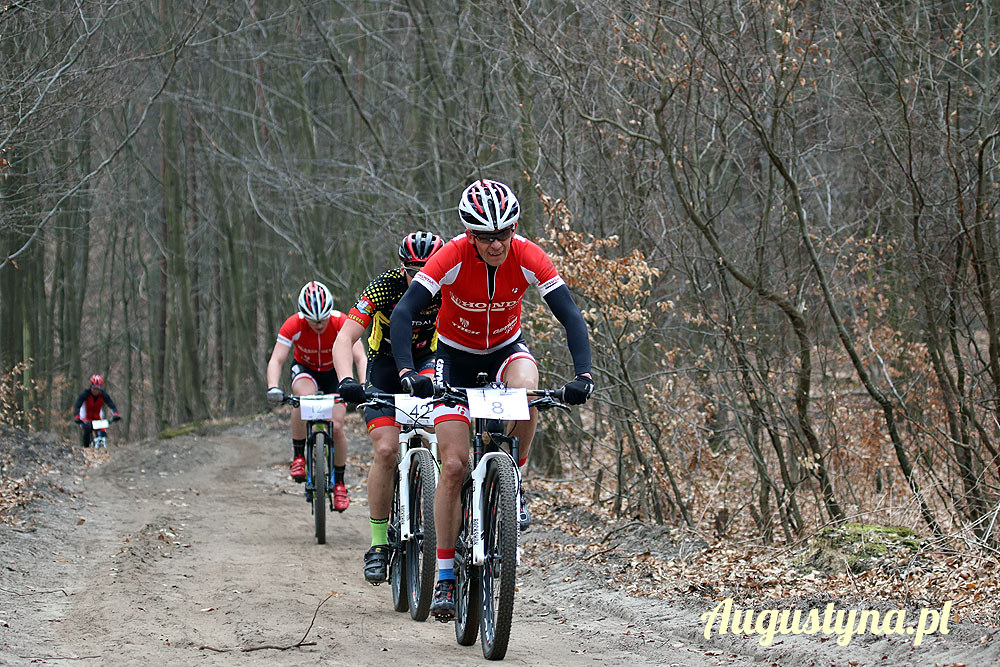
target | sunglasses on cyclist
[
  {"x": 412, "y": 271},
  {"x": 498, "y": 236}
]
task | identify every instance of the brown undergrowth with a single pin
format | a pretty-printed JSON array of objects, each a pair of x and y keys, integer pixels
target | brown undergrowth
[{"x": 851, "y": 562}]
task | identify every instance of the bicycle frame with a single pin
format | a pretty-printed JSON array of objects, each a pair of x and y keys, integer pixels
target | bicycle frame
[
  {"x": 315, "y": 411},
  {"x": 412, "y": 415},
  {"x": 486, "y": 582},
  {"x": 482, "y": 463},
  {"x": 410, "y": 427}
]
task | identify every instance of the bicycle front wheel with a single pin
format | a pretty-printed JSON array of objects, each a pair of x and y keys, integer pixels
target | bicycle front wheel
[
  {"x": 421, "y": 548},
  {"x": 397, "y": 557},
  {"x": 499, "y": 571},
  {"x": 319, "y": 472},
  {"x": 467, "y": 588}
]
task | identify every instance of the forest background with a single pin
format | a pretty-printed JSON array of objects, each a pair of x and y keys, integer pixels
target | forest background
[{"x": 779, "y": 218}]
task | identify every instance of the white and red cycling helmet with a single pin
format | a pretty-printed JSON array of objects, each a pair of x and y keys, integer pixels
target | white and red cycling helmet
[
  {"x": 96, "y": 381},
  {"x": 315, "y": 301},
  {"x": 488, "y": 206}
]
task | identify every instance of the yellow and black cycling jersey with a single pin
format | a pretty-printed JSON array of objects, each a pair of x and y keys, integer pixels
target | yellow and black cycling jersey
[{"x": 374, "y": 307}]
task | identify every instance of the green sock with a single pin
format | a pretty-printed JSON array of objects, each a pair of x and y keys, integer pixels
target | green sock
[{"x": 380, "y": 528}]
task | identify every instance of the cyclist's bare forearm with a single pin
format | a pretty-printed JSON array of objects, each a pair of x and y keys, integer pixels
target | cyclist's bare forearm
[{"x": 344, "y": 349}]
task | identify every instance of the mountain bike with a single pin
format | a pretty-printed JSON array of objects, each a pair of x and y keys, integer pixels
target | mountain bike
[
  {"x": 317, "y": 412},
  {"x": 487, "y": 551},
  {"x": 412, "y": 562},
  {"x": 99, "y": 439}
]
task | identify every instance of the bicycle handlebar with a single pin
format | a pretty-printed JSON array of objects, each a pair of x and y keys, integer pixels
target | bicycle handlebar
[
  {"x": 544, "y": 399},
  {"x": 293, "y": 400},
  {"x": 377, "y": 399}
]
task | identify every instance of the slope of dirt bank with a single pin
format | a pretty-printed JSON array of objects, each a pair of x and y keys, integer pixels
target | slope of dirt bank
[{"x": 199, "y": 550}]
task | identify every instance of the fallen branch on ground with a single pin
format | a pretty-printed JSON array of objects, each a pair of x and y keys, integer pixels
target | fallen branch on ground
[{"x": 273, "y": 647}]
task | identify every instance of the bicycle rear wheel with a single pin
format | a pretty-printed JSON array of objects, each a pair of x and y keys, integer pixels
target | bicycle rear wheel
[
  {"x": 397, "y": 557},
  {"x": 421, "y": 548},
  {"x": 500, "y": 569},
  {"x": 319, "y": 474},
  {"x": 467, "y": 587}
]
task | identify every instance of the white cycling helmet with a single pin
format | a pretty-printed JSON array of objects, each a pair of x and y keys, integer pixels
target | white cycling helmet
[
  {"x": 488, "y": 206},
  {"x": 315, "y": 301}
]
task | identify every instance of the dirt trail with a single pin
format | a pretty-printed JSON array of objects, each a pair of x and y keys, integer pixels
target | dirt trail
[
  {"x": 195, "y": 542},
  {"x": 191, "y": 550}
]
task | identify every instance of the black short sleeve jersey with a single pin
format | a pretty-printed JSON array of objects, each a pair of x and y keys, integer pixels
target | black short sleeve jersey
[{"x": 375, "y": 305}]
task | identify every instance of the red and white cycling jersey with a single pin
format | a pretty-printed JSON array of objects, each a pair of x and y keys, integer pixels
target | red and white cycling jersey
[
  {"x": 478, "y": 314},
  {"x": 312, "y": 349}
]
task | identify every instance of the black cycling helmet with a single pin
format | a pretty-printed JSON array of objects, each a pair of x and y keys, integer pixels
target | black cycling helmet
[{"x": 418, "y": 247}]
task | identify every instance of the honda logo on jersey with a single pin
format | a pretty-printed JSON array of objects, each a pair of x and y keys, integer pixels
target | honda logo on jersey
[{"x": 480, "y": 306}]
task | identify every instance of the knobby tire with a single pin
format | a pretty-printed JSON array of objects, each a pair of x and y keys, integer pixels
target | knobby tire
[
  {"x": 319, "y": 482},
  {"x": 499, "y": 572},
  {"x": 467, "y": 587},
  {"x": 397, "y": 558},
  {"x": 421, "y": 548}
]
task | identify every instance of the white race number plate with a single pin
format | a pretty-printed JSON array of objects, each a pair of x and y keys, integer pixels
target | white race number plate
[
  {"x": 316, "y": 408},
  {"x": 508, "y": 404}
]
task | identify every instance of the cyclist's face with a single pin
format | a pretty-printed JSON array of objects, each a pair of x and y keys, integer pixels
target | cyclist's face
[
  {"x": 95, "y": 390},
  {"x": 493, "y": 248},
  {"x": 319, "y": 327},
  {"x": 410, "y": 271}
]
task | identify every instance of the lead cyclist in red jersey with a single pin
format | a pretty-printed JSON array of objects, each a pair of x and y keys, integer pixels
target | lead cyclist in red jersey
[
  {"x": 482, "y": 276},
  {"x": 312, "y": 332}
]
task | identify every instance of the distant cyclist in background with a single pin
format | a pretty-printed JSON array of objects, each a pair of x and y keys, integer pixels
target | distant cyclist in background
[
  {"x": 312, "y": 331},
  {"x": 482, "y": 276},
  {"x": 90, "y": 405},
  {"x": 374, "y": 307}
]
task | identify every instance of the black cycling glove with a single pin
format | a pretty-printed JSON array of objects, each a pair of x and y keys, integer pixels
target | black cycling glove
[
  {"x": 576, "y": 392},
  {"x": 78, "y": 420},
  {"x": 417, "y": 385},
  {"x": 351, "y": 391}
]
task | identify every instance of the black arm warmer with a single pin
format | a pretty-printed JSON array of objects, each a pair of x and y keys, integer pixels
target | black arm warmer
[
  {"x": 108, "y": 402},
  {"x": 79, "y": 402},
  {"x": 566, "y": 311},
  {"x": 416, "y": 298}
]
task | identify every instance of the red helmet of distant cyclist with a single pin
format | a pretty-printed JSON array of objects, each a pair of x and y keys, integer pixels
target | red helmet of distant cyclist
[{"x": 96, "y": 381}]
